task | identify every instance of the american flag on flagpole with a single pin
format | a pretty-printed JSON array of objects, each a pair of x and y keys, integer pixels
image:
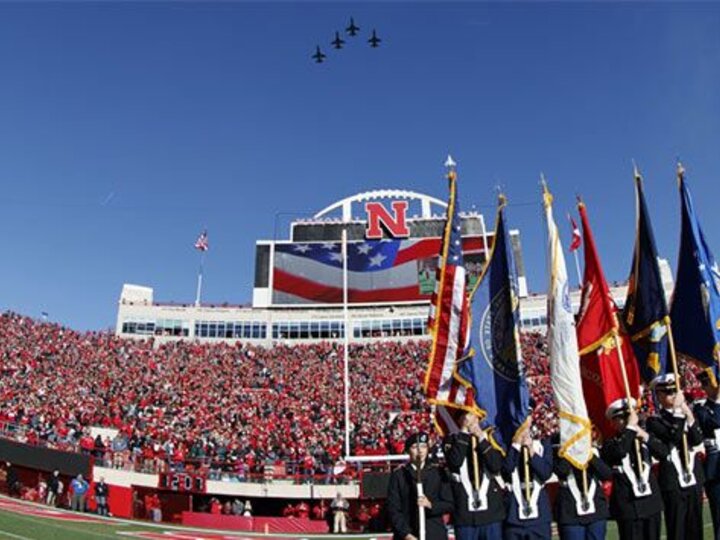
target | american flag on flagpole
[
  {"x": 576, "y": 236},
  {"x": 201, "y": 243},
  {"x": 449, "y": 325}
]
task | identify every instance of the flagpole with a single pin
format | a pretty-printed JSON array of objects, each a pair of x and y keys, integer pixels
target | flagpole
[
  {"x": 346, "y": 343},
  {"x": 577, "y": 268},
  {"x": 673, "y": 355},
  {"x": 199, "y": 280},
  {"x": 673, "y": 360}
]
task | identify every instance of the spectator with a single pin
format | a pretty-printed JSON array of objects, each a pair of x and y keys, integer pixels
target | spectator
[
  {"x": 339, "y": 507},
  {"x": 79, "y": 488}
]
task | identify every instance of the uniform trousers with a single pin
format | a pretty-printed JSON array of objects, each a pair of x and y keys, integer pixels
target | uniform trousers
[
  {"x": 489, "y": 531},
  {"x": 683, "y": 514},
  {"x": 591, "y": 531},
  {"x": 539, "y": 532},
  {"x": 712, "y": 490},
  {"x": 640, "y": 529}
]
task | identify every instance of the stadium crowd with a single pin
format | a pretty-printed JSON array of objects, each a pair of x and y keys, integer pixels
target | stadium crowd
[
  {"x": 232, "y": 407},
  {"x": 241, "y": 406}
]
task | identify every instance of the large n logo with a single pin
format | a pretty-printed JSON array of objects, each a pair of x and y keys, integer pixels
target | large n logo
[{"x": 378, "y": 218}]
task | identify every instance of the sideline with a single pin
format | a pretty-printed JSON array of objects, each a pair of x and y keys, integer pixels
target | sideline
[{"x": 170, "y": 527}]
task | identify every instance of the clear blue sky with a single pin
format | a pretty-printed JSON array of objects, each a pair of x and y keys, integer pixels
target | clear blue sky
[{"x": 126, "y": 128}]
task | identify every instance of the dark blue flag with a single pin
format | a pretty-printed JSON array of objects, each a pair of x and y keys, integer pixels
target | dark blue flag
[
  {"x": 495, "y": 366},
  {"x": 695, "y": 310},
  {"x": 645, "y": 313}
]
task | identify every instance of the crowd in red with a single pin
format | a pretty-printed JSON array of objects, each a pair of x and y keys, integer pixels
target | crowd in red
[{"x": 239, "y": 406}]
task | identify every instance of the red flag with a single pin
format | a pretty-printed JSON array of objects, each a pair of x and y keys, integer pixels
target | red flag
[
  {"x": 601, "y": 341},
  {"x": 576, "y": 236}
]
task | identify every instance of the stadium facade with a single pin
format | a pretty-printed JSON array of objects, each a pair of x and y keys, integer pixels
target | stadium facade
[{"x": 392, "y": 242}]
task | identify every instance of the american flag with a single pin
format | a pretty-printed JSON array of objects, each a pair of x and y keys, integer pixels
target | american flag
[
  {"x": 576, "y": 236},
  {"x": 449, "y": 324},
  {"x": 202, "y": 242}
]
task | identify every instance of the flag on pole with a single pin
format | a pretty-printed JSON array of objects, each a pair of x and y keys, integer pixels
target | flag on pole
[
  {"x": 201, "y": 244},
  {"x": 576, "y": 236},
  {"x": 495, "y": 368},
  {"x": 609, "y": 373},
  {"x": 645, "y": 315},
  {"x": 575, "y": 428},
  {"x": 695, "y": 310},
  {"x": 449, "y": 325}
]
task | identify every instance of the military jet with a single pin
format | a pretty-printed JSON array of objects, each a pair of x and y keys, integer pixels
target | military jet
[
  {"x": 374, "y": 41},
  {"x": 319, "y": 56},
  {"x": 352, "y": 29},
  {"x": 337, "y": 42}
]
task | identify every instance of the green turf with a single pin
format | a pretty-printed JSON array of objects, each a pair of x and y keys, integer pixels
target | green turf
[{"x": 24, "y": 527}]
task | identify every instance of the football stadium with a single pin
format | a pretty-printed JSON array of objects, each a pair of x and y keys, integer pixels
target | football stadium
[
  {"x": 255, "y": 418},
  {"x": 378, "y": 343}
]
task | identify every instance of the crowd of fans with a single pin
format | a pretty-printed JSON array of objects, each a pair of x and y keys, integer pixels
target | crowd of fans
[
  {"x": 233, "y": 407},
  {"x": 239, "y": 405}
]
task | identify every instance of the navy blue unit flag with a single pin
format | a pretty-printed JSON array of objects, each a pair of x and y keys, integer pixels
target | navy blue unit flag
[
  {"x": 645, "y": 314},
  {"x": 495, "y": 368},
  {"x": 695, "y": 310}
]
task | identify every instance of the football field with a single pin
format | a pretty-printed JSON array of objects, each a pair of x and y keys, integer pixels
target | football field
[{"x": 26, "y": 521}]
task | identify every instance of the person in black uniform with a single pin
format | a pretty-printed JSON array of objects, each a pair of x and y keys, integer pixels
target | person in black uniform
[
  {"x": 708, "y": 417},
  {"x": 101, "y": 497},
  {"x": 635, "y": 502},
  {"x": 581, "y": 507},
  {"x": 404, "y": 501},
  {"x": 681, "y": 473},
  {"x": 529, "y": 516},
  {"x": 479, "y": 502}
]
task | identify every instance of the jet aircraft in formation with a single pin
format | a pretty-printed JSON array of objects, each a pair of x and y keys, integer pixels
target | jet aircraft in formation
[
  {"x": 338, "y": 43},
  {"x": 319, "y": 56}
]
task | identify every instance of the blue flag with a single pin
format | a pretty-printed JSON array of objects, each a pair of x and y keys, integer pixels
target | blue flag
[
  {"x": 495, "y": 366},
  {"x": 645, "y": 314},
  {"x": 695, "y": 311}
]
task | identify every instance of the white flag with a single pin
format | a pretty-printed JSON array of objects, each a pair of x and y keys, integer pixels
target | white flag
[{"x": 575, "y": 427}]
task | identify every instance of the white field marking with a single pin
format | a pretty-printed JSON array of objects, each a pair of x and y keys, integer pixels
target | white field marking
[{"x": 16, "y": 536}]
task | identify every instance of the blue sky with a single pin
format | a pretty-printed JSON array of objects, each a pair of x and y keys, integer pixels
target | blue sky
[{"x": 126, "y": 128}]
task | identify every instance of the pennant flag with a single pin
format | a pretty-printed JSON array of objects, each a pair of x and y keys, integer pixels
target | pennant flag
[
  {"x": 576, "y": 236},
  {"x": 495, "y": 368},
  {"x": 575, "y": 428},
  {"x": 695, "y": 310},
  {"x": 607, "y": 364},
  {"x": 645, "y": 315},
  {"x": 201, "y": 244},
  {"x": 449, "y": 326}
]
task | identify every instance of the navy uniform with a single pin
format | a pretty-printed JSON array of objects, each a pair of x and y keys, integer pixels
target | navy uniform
[
  {"x": 680, "y": 487},
  {"x": 580, "y": 514},
  {"x": 707, "y": 413},
  {"x": 402, "y": 497},
  {"x": 528, "y": 519},
  {"x": 479, "y": 502},
  {"x": 635, "y": 502}
]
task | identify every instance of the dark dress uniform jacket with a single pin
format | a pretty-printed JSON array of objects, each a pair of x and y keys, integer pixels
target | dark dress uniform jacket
[
  {"x": 458, "y": 449},
  {"x": 565, "y": 504},
  {"x": 624, "y": 505},
  {"x": 541, "y": 468},
  {"x": 708, "y": 416},
  {"x": 669, "y": 429},
  {"x": 402, "y": 502}
]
